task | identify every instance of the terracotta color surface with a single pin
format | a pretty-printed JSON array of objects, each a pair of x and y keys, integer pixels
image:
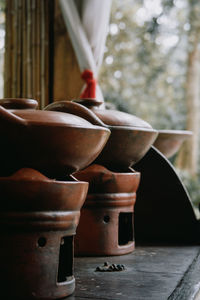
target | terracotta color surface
[
  {"x": 18, "y": 103},
  {"x": 130, "y": 137},
  {"x": 29, "y": 190},
  {"x": 125, "y": 147},
  {"x": 54, "y": 143},
  {"x": 102, "y": 180},
  {"x": 113, "y": 117},
  {"x": 38, "y": 221},
  {"x": 30, "y": 245},
  {"x": 75, "y": 109},
  {"x": 106, "y": 223},
  {"x": 169, "y": 141}
]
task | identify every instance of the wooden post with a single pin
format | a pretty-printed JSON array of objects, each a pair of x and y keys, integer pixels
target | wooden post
[{"x": 67, "y": 80}]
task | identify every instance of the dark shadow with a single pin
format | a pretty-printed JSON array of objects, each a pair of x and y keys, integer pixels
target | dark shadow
[{"x": 163, "y": 210}]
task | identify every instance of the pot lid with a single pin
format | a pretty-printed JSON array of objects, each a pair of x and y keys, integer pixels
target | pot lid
[
  {"x": 18, "y": 103},
  {"x": 113, "y": 117},
  {"x": 119, "y": 118},
  {"x": 51, "y": 118}
]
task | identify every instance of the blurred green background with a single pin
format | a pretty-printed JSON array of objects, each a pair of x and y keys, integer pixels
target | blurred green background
[{"x": 151, "y": 69}]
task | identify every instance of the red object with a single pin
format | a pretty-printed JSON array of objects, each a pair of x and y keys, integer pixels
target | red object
[{"x": 90, "y": 90}]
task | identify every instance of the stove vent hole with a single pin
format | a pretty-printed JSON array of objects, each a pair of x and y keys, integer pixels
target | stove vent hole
[
  {"x": 65, "y": 267},
  {"x": 106, "y": 219},
  {"x": 125, "y": 229},
  {"x": 42, "y": 242}
]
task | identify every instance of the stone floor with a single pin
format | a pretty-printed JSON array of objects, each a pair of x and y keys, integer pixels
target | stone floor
[{"x": 151, "y": 273}]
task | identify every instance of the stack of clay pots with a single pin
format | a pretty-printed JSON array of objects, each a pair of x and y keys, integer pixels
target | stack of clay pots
[
  {"x": 46, "y": 165},
  {"x": 107, "y": 217},
  {"x": 40, "y": 199}
]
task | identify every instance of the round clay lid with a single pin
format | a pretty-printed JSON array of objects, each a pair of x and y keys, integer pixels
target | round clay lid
[
  {"x": 18, "y": 103},
  {"x": 53, "y": 118},
  {"x": 119, "y": 118},
  {"x": 113, "y": 117}
]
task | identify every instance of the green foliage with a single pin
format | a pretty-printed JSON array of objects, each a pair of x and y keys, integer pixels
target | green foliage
[{"x": 146, "y": 59}]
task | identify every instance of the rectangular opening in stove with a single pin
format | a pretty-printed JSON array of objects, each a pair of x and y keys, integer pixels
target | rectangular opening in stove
[
  {"x": 65, "y": 267},
  {"x": 125, "y": 229}
]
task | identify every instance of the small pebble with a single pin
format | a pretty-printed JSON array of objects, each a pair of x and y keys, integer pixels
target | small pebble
[{"x": 110, "y": 267}]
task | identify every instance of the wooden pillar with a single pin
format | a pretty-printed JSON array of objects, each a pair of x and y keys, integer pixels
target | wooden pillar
[{"x": 67, "y": 82}]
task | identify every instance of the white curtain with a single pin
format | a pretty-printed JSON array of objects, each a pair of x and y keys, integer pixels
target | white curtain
[{"x": 87, "y": 23}]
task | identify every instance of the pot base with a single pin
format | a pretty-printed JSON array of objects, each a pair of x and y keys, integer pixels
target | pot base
[
  {"x": 106, "y": 230},
  {"x": 37, "y": 254}
]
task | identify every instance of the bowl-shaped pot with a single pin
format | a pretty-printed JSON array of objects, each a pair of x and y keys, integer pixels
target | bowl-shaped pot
[
  {"x": 29, "y": 190},
  {"x": 125, "y": 147},
  {"x": 18, "y": 103},
  {"x": 54, "y": 143},
  {"x": 102, "y": 180},
  {"x": 130, "y": 137},
  {"x": 169, "y": 141}
]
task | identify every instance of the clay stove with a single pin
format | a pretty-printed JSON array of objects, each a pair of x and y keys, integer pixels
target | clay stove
[
  {"x": 106, "y": 223},
  {"x": 107, "y": 217},
  {"x": 38, "y": 222}
]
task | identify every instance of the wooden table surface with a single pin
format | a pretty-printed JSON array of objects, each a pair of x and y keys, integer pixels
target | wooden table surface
[{"x": 151, "y": 273}]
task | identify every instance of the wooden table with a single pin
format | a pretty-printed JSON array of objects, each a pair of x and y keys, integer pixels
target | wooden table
[{"x": 152, "y": 273}]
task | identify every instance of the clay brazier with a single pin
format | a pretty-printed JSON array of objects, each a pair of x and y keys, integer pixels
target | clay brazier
[
  {"x": 18, "y": 103},
  {"x": 107, "y": 217},
  {"x": 38, "y": 221}
]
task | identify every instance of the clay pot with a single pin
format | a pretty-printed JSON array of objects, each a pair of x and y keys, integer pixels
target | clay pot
[
  {"x": 38, "y": 219},
  {"x": 18, "y": 103},
  {"x": 169, "y": 141},
  {"x": 102, "y": 180},
  {"x": 113, "y": 117},
  {"x": 130, "y": 137},
  {"x": 28, "y": 190},
  {"x": 54, "y": 143},
  {"x": 107, "y": 218}
]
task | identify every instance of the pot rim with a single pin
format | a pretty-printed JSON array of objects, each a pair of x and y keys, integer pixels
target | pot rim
[
  {"x": 53, "y": 123},
  {"x": 136, "y": 128},
  {"x": 174, "y": 131}
]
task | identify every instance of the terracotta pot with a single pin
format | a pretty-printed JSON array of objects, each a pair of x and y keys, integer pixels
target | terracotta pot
[
  {"x": 130, "y": 137},
  {"x": 102, "y": 180},
  {"x": 113, "y": 117},
  {"x": 169, "y": 141},
  {"x": 107, "y": 218},
  {"x": 28, "y": 190},
  {"x": 54, "y": 143},
  {"x": 18, "y": 103},
  {"x": 125, "y": 147},
  {"x": 75, "y": 109},
  {"x": 38, "y": 220}
]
